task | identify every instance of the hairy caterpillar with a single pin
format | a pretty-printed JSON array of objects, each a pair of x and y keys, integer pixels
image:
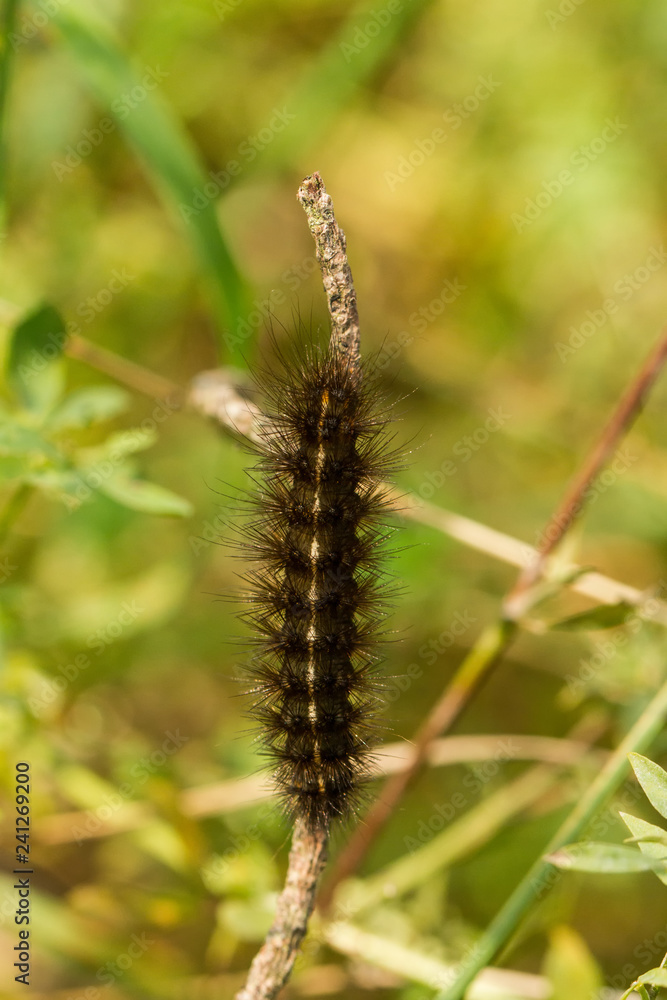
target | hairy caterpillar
[{"x": 317, "y": 592}]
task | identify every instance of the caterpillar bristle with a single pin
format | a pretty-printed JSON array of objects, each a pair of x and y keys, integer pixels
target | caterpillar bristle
[{"x": 317, "y": 595}]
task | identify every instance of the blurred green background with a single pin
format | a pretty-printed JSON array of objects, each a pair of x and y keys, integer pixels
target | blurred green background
[{"x": 499, "y": 171}]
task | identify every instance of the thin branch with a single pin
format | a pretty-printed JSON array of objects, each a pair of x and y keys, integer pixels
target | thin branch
[
  {"x": 225, "y": 797},
  {"x": 216, "y": 394},
  {"x": 573, "y": 502},
  {"x": 475, "y": 826},
  {"x": 330, "y": 247},
  {"x": 273, "y": 963},
  {"x": 127, "y": 372},
  {"x": 478, "y": 536},
  {"x": 407, "y": 963}
]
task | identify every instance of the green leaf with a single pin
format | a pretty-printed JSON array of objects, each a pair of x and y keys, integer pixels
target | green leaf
[
  {"x": 656, "y": 977},
  {"x": 137, "y": 494},
  {"x": 653, "y": 780},
  {"x": 656, "y": 839},
  {"x": 601, "y": 858},
  {"x": 605, "y": 616},
  {"x": 103, "y": 458},
  {"x": 33, "y": 361},
  {"x": 16, "y": 439},
  {"x": 165, "y": 147},
  {"x": 84, "y": 407},
  {"x": 63, "y": 484},
  {"x": 650, "y": 849}
]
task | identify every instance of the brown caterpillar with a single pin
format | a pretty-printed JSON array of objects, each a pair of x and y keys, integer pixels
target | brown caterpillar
[{"x": 318, "y": 594}]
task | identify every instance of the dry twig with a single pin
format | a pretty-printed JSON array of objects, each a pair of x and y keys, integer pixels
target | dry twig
[
  {"x": 234, "y": 794},
  {"x": 273, "y": 963},
  {"x": 330, "y": 248},
  {"x": 627, "y": 410}
]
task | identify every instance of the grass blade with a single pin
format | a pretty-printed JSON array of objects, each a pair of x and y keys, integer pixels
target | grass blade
[{"x": 165, "y": 148}]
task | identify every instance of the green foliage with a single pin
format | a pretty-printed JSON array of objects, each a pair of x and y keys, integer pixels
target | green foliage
[
  {"x": 653, "y": 780},
  {"x": 35, "y": 447},
  {"x": 652, "y": 840},
  {"x": 606, "y": 616},
  {"x": 32, "y": 365},
  {"x": 601, "y": 858}
]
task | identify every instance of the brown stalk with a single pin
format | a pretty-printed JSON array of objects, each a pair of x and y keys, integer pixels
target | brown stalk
[{"x": 621, "y": 420}]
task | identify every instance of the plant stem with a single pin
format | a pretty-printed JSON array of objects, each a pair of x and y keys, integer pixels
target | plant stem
[
  {"x": 126, "y": 372},
  {"x": 571, "y": 505},
  {"x": 541, "y": 874},
  {"x": 330, "y": 247},
  {"x": 273, "y": 963}
]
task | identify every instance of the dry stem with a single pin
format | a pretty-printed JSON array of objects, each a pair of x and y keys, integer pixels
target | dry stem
[
  {"x": 273, "y": 963},
  {"x": 336, "y": 275},
  {"x": 574, "y": 500}
]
